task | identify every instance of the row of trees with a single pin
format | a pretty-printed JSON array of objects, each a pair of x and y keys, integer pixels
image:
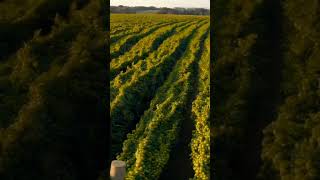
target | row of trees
[{"x": 162, "y": 10}]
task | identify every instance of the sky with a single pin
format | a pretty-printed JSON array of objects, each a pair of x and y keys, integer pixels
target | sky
[{"x": 163, "y": 3}]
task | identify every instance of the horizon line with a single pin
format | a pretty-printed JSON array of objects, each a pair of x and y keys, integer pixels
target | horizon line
[{"x": 164, "y": 6}]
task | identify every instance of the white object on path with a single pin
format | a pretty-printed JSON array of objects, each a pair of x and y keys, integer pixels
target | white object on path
[{"x": 118, "y": 170}]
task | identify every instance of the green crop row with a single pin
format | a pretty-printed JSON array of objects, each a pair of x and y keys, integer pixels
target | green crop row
[
  {"x": 145, "y": 46},
  {"x": 200, "y": 143},
  {"x": 148, "y": 75},
  {"x": 147, "y": 148}
]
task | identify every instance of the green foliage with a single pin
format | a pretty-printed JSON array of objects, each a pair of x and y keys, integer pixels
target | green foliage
[
  {"x": 151, "y": 88},
  {"x": 266, "y": 78},
  {"x": 200, "y": 144},
  {"x": 52, "y": 92},
  {"x": 147, "y": 148},
  {"x": 290, "y": 148},
  {"x": 231, "y": 78},
  {"x": 146, "y": 45},
  {"x": 131, "y": 90}
]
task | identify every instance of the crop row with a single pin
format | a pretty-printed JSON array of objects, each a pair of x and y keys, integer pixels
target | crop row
[
  {"x": 142, "y": 49},
  {"x": 131, "y": 99},
  {"x": 147, "y": 148},
  {"x": 125, "y": 44},
  {"x": 200, "y": 143},
  {"x": 130, "y": 30},
  {"x": 166, "y": 49}
]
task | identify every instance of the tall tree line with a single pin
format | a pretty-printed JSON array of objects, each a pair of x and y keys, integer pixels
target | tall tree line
[{"x": 162, "y": 10}]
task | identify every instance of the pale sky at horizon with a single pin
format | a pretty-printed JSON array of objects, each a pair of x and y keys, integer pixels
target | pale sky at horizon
[{"x": 163, "y": 3}]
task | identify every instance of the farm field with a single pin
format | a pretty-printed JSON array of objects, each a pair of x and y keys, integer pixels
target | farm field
[{"x": 159, "y": 95}]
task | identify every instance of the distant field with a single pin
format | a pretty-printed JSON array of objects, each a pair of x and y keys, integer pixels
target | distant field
[{"x": 159, "y": 95}]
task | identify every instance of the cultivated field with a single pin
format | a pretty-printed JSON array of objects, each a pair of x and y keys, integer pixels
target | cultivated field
[{"x": 159, "y": 95}]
